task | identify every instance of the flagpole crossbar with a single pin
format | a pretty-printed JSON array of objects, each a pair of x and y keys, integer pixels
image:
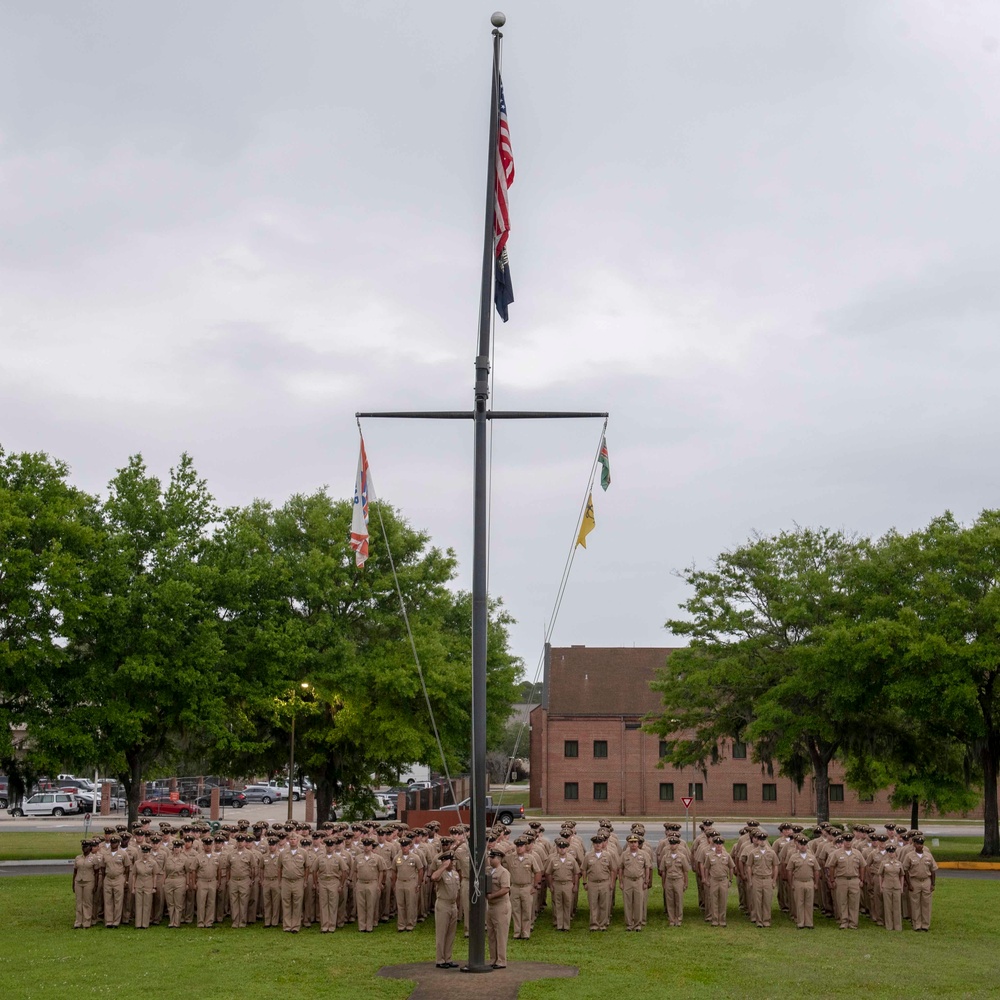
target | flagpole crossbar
[{"x": 490, "y": 414}]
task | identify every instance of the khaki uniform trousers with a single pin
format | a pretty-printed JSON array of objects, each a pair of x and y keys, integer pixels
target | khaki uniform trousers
[
  {"x": 328, "y": 898},
  {"x": 271, "y": 888},
  {"x": 291, "y": 904},
  {"x": 367, "y": 895},
  {"x": 406, "y": 904},
  {"x": 445, "y": 926},
  {"x": 175, "y": 892},
  {"x": 717, "y": 901},
  {"x": 522, "y": 905},
  {"x": 599, "y": 901},
  {"x": 632, "y": 892},
  {"x": 761, "y": 900},
  {"x": 143, "y": 905},
  {"x": 920, "y": 903},
  {"x": 239, "y": 901},
  {"x": 562, "y": 904},
  {"x": 803, "y": 896},
  {"x": 205, "y": 902},
  {"x": 114, "y": 900},
  {"x": 498, "y": 929},
  {"x": 848, "y": 901},
  {"x": 892, "y": 908},
  {"x": 84, "y": 892},
  {"x": 673, "y": 894}
]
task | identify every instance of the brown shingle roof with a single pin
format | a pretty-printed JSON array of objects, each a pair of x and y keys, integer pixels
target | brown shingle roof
[{"x": 604, "y": 681}]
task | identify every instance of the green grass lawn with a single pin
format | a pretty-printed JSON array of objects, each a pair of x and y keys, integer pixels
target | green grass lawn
[{"x": 42, "y": 956}]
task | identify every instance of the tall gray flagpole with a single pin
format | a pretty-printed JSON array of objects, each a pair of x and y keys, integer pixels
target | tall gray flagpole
[
  {"x": 480, "y": 415},
  {"x": 480, "y": 610}
]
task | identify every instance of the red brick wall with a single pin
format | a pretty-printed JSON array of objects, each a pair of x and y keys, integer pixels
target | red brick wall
[{"x": 633, "y": 779}]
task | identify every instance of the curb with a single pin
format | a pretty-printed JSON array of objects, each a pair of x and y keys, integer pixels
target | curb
[{"x": 974, "y": 866}]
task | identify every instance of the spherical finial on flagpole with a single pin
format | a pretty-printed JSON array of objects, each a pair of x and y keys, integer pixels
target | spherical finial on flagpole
[{"x": 498, "y": 19}]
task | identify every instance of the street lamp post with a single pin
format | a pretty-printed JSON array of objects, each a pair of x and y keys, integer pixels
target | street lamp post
[{"x": 291, "y": 753}]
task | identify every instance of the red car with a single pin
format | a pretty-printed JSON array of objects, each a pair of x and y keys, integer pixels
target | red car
[{"x": 167, "y": 807}]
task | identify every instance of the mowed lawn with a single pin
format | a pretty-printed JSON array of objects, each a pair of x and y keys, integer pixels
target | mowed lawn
[{"x": 42, "y": 956}]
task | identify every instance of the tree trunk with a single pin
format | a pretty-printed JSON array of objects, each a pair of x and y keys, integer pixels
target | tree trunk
[
  {"x": 991, "y": 827},
  {"x": 821, "y": 774},
  {"x": 133, "y": 785},
  {"x": 324, "y": 801},
  {"x": 915, "y": 813}
]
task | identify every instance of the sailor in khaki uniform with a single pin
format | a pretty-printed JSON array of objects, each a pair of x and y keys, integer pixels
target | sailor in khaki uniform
[
  {"x": 920, "y": 870},
  {"x": 761, "y": 866},
  {"x": 599, "y": 873},
  {"x": 85, "y": 870},
  {"x": 329, "y": 874},
  {"x": 369, "y": 871},
  {"x": 717, "y": 874},
  {"x": 525, "y": 876},
  {"x": 143, "y": 882},
  {"x": 408, "y": 869},
  {"x": 803, "y": 874},
  {"x": 498, "y": 909},
  {"x": 890, "y": 880},
  {"x": 845, "y": 869},
  {"x": 674, "y": 867},
  {"x": 562, "y": 873},
  {"x": 116, "y": 869},
  {"x": 447, "y": 883},
  {"x": 294, "y": 865},
  {"x": 175, "y": 882},
  {"x": 635, "y": 874}
]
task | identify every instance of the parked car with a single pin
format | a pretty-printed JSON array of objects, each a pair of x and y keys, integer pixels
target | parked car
[
  {"x": 504, "y": 813},
  {"x": 47, "y": 804},
  {"x": 227, "y": 798},
  {"x": 4, "y": 791},
  {"x": 263, "y": 793},
  {"x": 385, "y": 806},
  {"x": 167, "y": 807}
]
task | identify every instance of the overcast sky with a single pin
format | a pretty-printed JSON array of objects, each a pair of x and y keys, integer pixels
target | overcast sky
[{"x": 763, "y": 235}]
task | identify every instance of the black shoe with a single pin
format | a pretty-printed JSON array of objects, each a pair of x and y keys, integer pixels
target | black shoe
[{"x": 442, "y": 965}]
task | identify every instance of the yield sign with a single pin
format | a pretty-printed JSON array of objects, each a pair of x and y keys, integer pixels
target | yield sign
[{"x": 686, "y": 801}]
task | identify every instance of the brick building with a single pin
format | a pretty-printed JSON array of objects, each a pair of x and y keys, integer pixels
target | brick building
[{"x": 590, "y": 756}]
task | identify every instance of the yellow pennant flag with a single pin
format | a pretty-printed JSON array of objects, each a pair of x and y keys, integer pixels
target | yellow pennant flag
[{"x": 588, "y": 522}]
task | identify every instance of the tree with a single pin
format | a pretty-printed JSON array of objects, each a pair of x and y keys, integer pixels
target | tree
[
  {"x": 297, "y": 611},
  {"x": 938, "y": 598},
  {"x": 140, "y": 672},
  {"x": 758, "y": 667},
  {"x": 47, "y": 532}
]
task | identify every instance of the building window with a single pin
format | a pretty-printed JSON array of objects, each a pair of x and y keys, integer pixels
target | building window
[
  {"x": 836, "y": 793},
  {"x": 600, "y": 748},
  {"x": 739, "y": 750},
  {"x": 770, "y": 793},
  {"x": 571, "y": 790},
  {"x": 571, "y": 748},
  {"x": 739, "y": 792},
  {"x": 666, "y": 791},
  {"x": 663, "y": 749},
  {"x": 601, "y": 790},
  {"x": 696, "y": 791}
]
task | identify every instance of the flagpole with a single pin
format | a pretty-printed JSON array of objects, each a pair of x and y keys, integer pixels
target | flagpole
[{"x": 480, "y": 612}]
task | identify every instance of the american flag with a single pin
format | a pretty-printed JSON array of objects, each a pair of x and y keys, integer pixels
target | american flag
[{"x": 503, "y": 292}]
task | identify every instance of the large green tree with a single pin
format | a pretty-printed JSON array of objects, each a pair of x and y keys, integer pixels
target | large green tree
[
  {"x": 758, "y": 667},
  {"x": 931, "y": 618},
  {"x": 48, "y": 530},
  {"x": 141, "y": 671},
  {"x": 296, "y": 611}
]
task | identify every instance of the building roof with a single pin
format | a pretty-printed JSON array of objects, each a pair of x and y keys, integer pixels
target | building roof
[{"x": 586, "y": 680}]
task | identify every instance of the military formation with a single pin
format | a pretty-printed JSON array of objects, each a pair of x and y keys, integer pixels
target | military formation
[{"x": 294, "y": 877}]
